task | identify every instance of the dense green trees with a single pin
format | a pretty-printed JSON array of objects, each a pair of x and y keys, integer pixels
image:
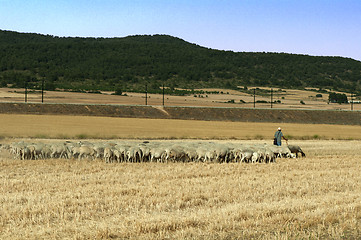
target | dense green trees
[
  {"x": 131, "y": 62},
  {"x": 337, "y": 98}
]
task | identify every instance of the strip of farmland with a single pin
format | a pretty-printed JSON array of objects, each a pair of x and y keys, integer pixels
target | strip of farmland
[{"x": 188, "y": 113}]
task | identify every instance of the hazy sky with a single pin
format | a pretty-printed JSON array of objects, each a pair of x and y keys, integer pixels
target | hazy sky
[{"x": 313, "y": 27}]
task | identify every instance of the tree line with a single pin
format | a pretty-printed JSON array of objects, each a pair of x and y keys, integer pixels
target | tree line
[{"x": 130, "y": 63}]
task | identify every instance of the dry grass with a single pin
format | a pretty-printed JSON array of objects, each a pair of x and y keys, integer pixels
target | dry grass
[
  {"x": 290, "y": 98},
  {"x": 51, "y": 126},
  {"x": 318, "y": 197}
]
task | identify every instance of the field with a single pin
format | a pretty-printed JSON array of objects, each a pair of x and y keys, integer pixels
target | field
[
  {"x": 80, "y": 127},
  {"x": 289, "y": 99},
  {"x": 317, "y": 197}
]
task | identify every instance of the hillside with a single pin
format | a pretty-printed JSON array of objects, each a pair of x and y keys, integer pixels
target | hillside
[{"x": 129, "y": 63}]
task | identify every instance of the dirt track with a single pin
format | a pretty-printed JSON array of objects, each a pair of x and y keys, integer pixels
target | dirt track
[{"x": 188, "y": 113}]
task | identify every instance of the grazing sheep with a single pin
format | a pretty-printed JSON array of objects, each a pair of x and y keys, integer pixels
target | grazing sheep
[
  {"x": 145, "y": 153},
  {"x": 157, "y": 154},
  {"x": 296, "y": 149},
  {"x": 210, "y": 155},
  {"x": 99, "y": 150},
  {"x": 201, "y": 153},
  {"x": 108, "y": 154},
  {"x": 222, "y": 153},
  {"x": 134, "y": 154},
  {"x": 191, "y": 154},
  {"x": 46, "y": 152},
  {"x": 164, "y": 151},
  {"x": 59, "y": 150},
  {"x": 269, "y": 156},
  {"x": 246, "y": 155},
  {"x": 85, "y": 151}
]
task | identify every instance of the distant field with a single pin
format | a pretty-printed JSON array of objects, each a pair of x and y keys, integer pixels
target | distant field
[
  {"x": 317, "y": 197},
  {"x": 54, "y": 126},
  {"x": 289, "y": 99}
]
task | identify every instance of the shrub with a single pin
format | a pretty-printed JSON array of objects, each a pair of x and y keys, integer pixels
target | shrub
[
  {"x": 118, "y": 91},
  {"x": 316, "y": 136}
]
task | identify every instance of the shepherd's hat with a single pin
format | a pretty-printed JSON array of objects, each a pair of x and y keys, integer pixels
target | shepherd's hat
[{"x": 279, "y": 129}]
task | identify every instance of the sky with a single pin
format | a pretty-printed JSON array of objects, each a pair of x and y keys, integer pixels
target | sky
[{"x": 311, "y": 27}]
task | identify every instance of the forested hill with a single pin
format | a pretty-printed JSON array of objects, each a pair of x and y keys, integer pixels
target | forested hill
[{"x": 130, "y": 62}]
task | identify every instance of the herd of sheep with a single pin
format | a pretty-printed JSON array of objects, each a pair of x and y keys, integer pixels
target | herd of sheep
[{"x": 154, "y": 151}]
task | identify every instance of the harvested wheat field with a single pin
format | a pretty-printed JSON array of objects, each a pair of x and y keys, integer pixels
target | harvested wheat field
[
  {"x": 317, "y": 197},
  {"x": 80, "y": 127}
]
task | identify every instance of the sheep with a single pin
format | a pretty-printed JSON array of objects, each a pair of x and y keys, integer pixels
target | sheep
[
  {"x": 145, "y": 152},
  {"x": 237, "y": 153},
  {"x": 281, "y": 151},
  {"x": 25, "y": 153},
  {"x": 108, "y": 154},
  {"x": 175, "y": 152},
  {"x": 36, "y": 151},
  {"x": 295, "y": 149},
  {"x": 120, "y": 152},
  {"x": 85, "y": 151},
  {"x": 157, "y": 154},
  {"x": 133, "y": 154},
  {"x": 16, "y": 149},
  {"x": 210, "y": 155},
  {"x": 201, "y": 153},
  {"x": 99, "y": 150},
  {"x": 46, "y": 152},
  {"x": 246, "y": 155},
  {"x": 269, "y": 156},
  {"x": 152, "y": 151},
  {"x": 255, "y": 157},
  {"x": 222, "y": 153},
  {"x": 59, "y": 150},
  {"x": 190, "y": 154}
]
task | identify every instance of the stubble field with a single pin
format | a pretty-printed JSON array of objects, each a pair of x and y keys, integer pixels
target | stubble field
[
  {"x": 317, "y": 197},
  {"x": 82, "y": 127}
]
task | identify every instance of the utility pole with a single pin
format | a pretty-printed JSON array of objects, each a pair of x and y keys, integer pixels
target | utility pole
[
  {"x": 254, "y": 98},
  {"x": 146, "y": 94},
  {"x": 351, "y": 101},
  {"x": 163, "y": 94},
  {"x": 271, "y": 97},
  {"x": 26, "y": 91},
  {"x": 42, "y": 91}
]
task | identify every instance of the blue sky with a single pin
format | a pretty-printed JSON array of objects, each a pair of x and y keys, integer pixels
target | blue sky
[{"x": 313, "y": 27}]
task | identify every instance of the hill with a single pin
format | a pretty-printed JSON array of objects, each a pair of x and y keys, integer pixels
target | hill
[{"x": 129, "y": 63}]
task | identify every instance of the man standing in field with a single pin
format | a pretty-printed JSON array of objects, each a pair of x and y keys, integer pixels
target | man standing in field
[{"x": 278, "y": 137}]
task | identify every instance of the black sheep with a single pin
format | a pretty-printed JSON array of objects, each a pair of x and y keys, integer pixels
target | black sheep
[{"x": 296, "y": 149}]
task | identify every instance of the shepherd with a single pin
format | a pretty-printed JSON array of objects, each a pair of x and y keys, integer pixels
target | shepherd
[{"x": 278, "y": 137}]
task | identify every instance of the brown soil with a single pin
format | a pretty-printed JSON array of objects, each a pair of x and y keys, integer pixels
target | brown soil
[{"x": 188, "y": 113}]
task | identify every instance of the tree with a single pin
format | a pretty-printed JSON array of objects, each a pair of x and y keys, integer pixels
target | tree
[{"x": 337, "y": 98}]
